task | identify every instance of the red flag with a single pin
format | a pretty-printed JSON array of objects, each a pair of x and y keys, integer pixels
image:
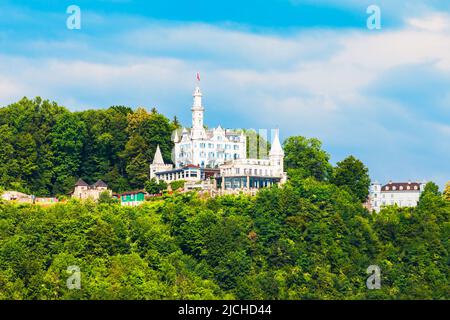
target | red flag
[{"x": 198, "y": 76}]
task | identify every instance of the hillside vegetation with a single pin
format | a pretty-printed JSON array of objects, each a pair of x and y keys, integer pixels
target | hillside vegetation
[{"x": 306, "y": 240}]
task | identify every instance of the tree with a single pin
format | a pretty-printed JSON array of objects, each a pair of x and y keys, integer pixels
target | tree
[
  {"x": 154, "y": 187},
  {"x": 352, "y": 175},
  {"x": 105, "y": 197},
  {"x": 176, "y": 123},
  {"x": 304, "y": 158},
  {"x": 175, "y": 185},
  {"x": 67, "y": 143},
  {"x": 446, "y": 192},
  {"x": 431, "y": 188}
]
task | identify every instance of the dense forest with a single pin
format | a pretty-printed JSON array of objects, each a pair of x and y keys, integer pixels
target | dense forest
[
  {"x": 306, "y": 240},
  {"x": 310, "y": 239},
  {"x": 45, "y": 148}
]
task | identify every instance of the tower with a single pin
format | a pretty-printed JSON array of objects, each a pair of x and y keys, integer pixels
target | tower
[
  {"x": 198, "y": 131},
  {"x": 276, "y": 154},
  {"x": 158, "y": 164}
]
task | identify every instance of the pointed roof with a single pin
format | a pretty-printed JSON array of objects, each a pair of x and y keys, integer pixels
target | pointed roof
[
  {"x": 100, "y": 184},
  {"x": 81, "y": 183},
  {"x": 276, "y": 149},
  {"x": 158, "y": 159}
]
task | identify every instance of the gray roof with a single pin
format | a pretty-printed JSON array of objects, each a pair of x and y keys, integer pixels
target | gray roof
[
  {"x": 100, "y": 184},
  {"x": 81, "y": 183}
]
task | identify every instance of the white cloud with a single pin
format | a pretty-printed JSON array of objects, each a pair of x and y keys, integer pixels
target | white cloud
[{"x": 435, "y": 23}]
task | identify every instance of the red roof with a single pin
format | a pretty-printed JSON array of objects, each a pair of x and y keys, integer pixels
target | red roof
[
  {"x": 133, "y": 192},
  {"x": 401, "y": 186},
  {"x": 191, "y": 166}
]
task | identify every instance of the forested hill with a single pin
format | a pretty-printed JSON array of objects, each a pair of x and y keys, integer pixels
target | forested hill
[
  {"x": 306, "y": 240},
  {"x": 45, "y": 147}
]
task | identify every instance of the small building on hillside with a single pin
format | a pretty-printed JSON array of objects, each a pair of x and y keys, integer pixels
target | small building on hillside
[
  {"x": 17, "y": 196},
  {"x": 402, "y": 194},
  {"x": 85, "y": 191},
  {"x": 132, "y": 198}
]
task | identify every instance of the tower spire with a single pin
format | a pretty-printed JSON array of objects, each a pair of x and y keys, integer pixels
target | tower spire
[
  {"x": 198, "y": 131},
  {"x": 158, "y": 159},
  {"x": 276, "y": 149}
]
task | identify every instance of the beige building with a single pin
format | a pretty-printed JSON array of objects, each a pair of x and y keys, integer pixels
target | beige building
[{"x": 85, "y": 191}]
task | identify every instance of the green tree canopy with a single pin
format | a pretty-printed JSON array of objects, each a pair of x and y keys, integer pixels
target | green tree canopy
[
  {"x": 305, "y": 158},
  {"x": 153, "y": 186},
  {"x": 352, "y": 175}
]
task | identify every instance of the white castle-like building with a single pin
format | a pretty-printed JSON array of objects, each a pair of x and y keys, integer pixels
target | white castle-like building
[
  {"x": 401, "y": 194},
  {"x": 221, "y": 154}
]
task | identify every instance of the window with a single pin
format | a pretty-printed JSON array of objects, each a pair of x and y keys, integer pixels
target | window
[
  {"x": 202, "y": 145},
  {"x": 236, "y": 147}
]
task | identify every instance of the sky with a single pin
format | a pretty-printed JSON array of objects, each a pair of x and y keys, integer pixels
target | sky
[{"x": 307, "y": 67}]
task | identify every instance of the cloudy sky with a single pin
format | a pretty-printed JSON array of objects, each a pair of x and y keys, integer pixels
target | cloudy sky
[{"x": 309, "y": 67}]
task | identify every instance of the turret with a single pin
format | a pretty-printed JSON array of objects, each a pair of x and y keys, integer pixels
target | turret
[
  {"x": 158, "y": 164},
  {"x": 198, "y": 131},
  {"x": 276, "y": 154}
]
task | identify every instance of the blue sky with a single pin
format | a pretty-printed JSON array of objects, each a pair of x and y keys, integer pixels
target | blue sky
[{"x": 309, "y": 67}]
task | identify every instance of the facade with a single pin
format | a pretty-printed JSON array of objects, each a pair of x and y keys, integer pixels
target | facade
[
  {"x": 17, "y": 196},
  {"x": 203, "y": 147},
  {"x": 402, "y": 194},
  {"x": 254, "y": 173},
  {"x": 85, "y": 191},
  {"x": 218, "y": 154},
  {"x": 188, "y": 172},
  {"x": 132, "y": 198}
]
